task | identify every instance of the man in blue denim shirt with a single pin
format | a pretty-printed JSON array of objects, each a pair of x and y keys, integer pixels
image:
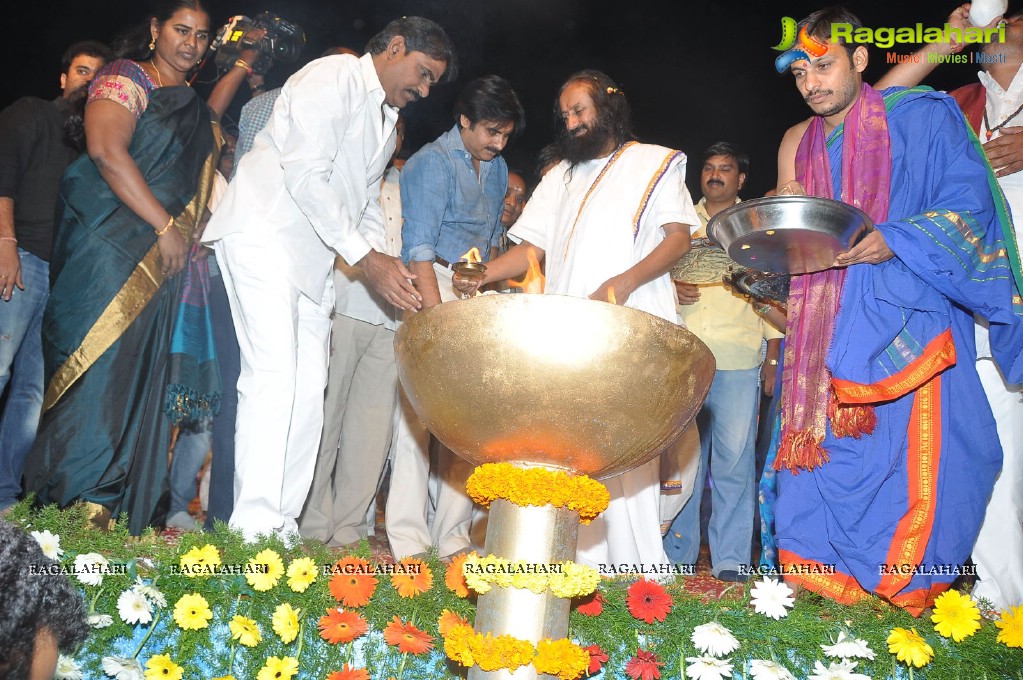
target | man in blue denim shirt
[{"x": 452, "y": 195}]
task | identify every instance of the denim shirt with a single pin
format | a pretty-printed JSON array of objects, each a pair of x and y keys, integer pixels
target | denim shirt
[{"x": 446, "y": 209}]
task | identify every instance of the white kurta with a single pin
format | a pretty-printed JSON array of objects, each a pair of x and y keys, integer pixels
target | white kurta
[
  {"x": 591, "y": 231},
  {"x": 1000, "y": 542}
]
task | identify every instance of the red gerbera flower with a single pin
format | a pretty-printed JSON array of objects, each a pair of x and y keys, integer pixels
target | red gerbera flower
[
  {"x": 591, "y": 605},
  {"x": 349, "y": 673},
  {"x": 340, "y": 626},
  {"x": 598, "y": 657},
  {"x": 648, "y": 601},
  {"x": 644, "y": 666},
  {"x": 407, "y": 638},
  {"x": 353, "y": 583}
]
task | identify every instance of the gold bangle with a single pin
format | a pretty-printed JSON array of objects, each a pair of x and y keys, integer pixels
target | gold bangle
[
  {"x": 166, "y": 228},
  {"x": 244, "y": 64}
]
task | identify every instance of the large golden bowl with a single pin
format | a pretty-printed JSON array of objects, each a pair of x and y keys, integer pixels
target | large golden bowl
[{"x": 563, "y": 382}]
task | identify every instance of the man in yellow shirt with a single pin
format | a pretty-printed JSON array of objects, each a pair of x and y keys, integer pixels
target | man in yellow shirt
[{"x": 733, "y": 330}]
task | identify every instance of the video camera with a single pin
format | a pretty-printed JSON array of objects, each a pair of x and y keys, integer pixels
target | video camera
[{"x": 283, "y": 41}]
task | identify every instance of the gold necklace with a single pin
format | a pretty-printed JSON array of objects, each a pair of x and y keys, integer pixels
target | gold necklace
[{"x": 159, "y": 80}]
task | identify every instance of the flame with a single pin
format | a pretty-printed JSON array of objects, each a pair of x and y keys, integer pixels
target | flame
[
  {"x": 534, "y": 280},
  {"x": 473, "y": 255},
  {"x": 611, "y": 296}
]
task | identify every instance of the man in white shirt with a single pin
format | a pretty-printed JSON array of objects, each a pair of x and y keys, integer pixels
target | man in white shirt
[
  {"x": 362, "y": 387},
  {"x": 295, "y": 203}
]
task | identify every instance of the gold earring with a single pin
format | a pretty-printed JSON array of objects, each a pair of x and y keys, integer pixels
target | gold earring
[{"x": 152, "y": 44}]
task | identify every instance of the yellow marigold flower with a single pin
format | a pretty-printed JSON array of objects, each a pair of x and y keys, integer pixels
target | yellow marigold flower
[
  {"x": 200, "y": 562},
  {"x": 301, "y": 574},
  {"x": 504, "y": 651},
  {"x": 456, "y": 644},
  {"x": 245, "y": 631},
  {"x": 264, "y": 570},
  {"x": 538, "y": 486},
  {"x": 192, "y": 612},
  {"x": 909, "y": 647},
  {"x": 562, "y": 658},
  {"x": 278, "y": 669},
  {"x": 575, "y": 580},
  {"x": 225, "y": 677},
  {"x": 1011, "y": 627},
  {"x": 955, "y": 615},
  {"x": 285, "y": 622},
  {"x": 160, "y": 667}
]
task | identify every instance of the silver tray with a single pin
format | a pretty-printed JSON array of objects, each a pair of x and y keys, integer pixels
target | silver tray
[{"x": 789, "y": 234}]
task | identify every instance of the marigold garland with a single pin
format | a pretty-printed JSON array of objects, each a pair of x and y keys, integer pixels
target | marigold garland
[
  {"x": 565, "y": 579},
  {"x": 538, "y": 486},
  {"x": 562, "y": 658}
]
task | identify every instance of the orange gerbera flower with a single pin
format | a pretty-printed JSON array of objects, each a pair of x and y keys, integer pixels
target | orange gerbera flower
[
  {"x": 648, "y": 601},
  {"x": 407, "y": 638},
  {"x": 411, "y": 577},
  {"x": 349, "y": 673},
  {"x": 341, "y": 627},
  {"x": 454, "y": 577},
  {"x": 448, "y": 620},
  {"x": 353, "y": 583}
]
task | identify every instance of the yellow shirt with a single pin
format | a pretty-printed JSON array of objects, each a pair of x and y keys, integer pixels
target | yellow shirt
[{"x": 724, "y": 319}]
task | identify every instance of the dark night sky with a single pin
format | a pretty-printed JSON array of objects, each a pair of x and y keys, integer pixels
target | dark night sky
[{"x": 694, "y": 71}]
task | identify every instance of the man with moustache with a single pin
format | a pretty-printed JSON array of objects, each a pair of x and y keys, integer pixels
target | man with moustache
[
  {"x": 296, "y": 202},
  {"x": 879, "y": 474},
  {"x": 34, "y": 153},
  {"x": 613, "y": 215},
  {"x": 452, "y": 193},
  {"x": 730, "y": 326}
]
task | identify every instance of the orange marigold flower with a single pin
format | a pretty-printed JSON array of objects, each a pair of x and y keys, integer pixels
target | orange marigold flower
[
  {"x": 407, "y": 638},
  {"x": 341, "y": 627},
  {"x": 411, "y": 577},
  {"x": 648, "y": 601},
  {"x": 349, "y": 673},
  {"x": 448, "y": 620},
  {"x": 458, "y": 644},
  {"x": 353, "y": 583},
  {"x": 591, "y": 605},
  {"x": 454, "y": 578},
  {"x": 561, "y": 658}
]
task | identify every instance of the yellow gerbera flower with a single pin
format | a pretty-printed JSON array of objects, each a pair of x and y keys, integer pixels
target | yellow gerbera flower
[
  {"x": 264, "y": 570},
  {"x": 1011, "y": 625},
  {"x": 909, "y": 647},
  {"x": 245, "y": 631},
  {"x": 278, "y": 669},
  {"x": 225, "y": 677},
  {"x": 285, "y": 622},
  {"x": 160, "y": 667},
  {"x": 192, "y": 612},
  {"x": 301, "y": 574},
  {"x": 200, "y": 562},
  {"x": 955, "y": 615}
]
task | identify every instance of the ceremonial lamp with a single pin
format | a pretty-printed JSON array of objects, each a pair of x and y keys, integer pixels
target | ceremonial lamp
[{"x": 582, "y": 386}]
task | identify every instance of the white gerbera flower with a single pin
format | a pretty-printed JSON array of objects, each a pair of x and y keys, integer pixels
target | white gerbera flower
[
  {"x": 122, "y": 669},
  {"x": 714, "y": 639},
  {"x": 708, "y": 668},
  {"x": 90, "y": 567},
  {"x": 67, "y": 669},
  {"x": 847, "y": 647},
  {"x": 837, "y": 670},
  {"x": 151, "y": 592},
  {"x": 134, "y": 607},
  {"x": 769, "y": 670},
  {"x": 50, "y": 543},
  {"x": 100, "y": 620},
  {"x": 772, "y": 598}
]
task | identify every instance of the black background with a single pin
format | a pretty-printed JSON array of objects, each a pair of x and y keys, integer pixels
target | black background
[{"x": 695, "y": 72}]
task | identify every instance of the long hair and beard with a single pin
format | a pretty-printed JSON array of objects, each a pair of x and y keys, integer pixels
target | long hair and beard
[{"x": 592, "y": 143}]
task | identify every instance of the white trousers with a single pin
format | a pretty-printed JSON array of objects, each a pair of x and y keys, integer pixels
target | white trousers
[
  {"x": 408, "y": 496},
  {"x": 282, "y": 342},
  {"x": 629, "y": 531},
  {"x": 999, "y": 546},
  {"x": 358, "y": 409}
]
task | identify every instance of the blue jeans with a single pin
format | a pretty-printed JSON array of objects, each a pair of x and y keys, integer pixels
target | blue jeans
[
  {"x": 728, "y": 427},
  {"x": 189, "y": 455},
  {"x": 21, "y": 368}
]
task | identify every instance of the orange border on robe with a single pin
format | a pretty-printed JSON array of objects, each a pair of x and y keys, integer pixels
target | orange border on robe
[
  {"x": 837, "y": 586},
  {"x": 939, "y": 354}
]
